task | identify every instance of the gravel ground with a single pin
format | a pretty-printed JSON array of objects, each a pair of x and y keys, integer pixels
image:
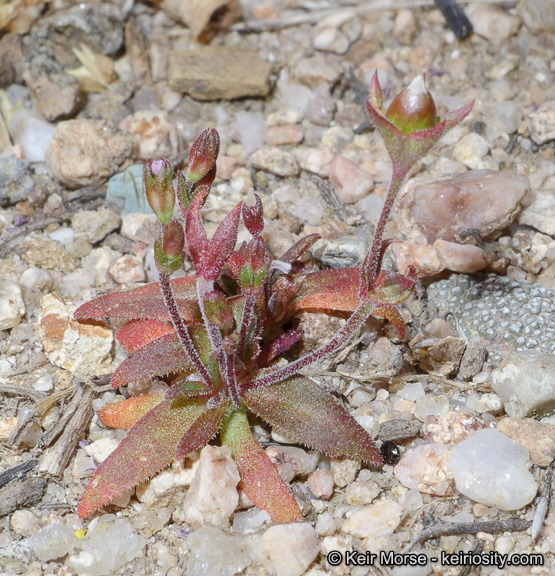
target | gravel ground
[{"x": 91, "y": 90}]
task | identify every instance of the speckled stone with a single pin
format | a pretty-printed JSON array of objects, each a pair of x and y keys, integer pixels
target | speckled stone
[{"x": 503, "y": 314}]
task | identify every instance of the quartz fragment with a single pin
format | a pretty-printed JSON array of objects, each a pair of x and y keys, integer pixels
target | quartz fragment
[
  {"x": 275, "y": 160},
  {"x": 374, "y": 520},
  {"x": 492, "y": 469},
  {"x": 166, "y": 488},
  {"x": 52, "y": 542},
  {"x": 12, "y": 307},
  {"x": 483, "y": 200},
  {"x": 75, "y": 346},
  {"x": 425, "y": 468},
  {"x": 321, "y": 483},
  {"x": 155, "y": 135},
  {"x": 542, "y": 122},
  {"x": 109, "y": 543},
  {"x": 492, "y": 22},
  {"x": 299, "y": 542},
  {"x": 538, "y": 210},
  {"x": 212, "y": 551},
  {"x": 84, "y": 152},
  {"x": 213, "y": 496},
  {"x": 525, "y": 382},
  {"x": 352, "y": 183},
  {"x": 95, "y": 225}
]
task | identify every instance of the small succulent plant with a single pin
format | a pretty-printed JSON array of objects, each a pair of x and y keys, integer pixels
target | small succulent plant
[{"x": 221, "y": 332}]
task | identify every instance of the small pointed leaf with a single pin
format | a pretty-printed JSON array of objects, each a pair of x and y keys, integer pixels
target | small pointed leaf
[{"x": 206, "y": 426}]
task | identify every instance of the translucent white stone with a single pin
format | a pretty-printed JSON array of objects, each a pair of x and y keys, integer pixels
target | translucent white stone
[
  {"x": 252, "y": 130},
  {"x": 490, "y": 468},
  {"x": 300, "y": 542},
  {"x": 213, "y": 552},
  {"x": 110, "y": 543},
  {"x": 52, "y": 542}
]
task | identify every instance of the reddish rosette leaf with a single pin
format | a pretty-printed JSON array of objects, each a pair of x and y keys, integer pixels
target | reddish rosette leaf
[
  {"x": 300, "y": 409},
  {"x": 206, "y": 426},
  {"x": 259, "y": 477},
  {"x": 145, "y": 302},
  {"x": 125, "y": 414},
  {"x": 253, "y": 217},
  {"x": 279, "y": 345},
  {"x": 335, "y": 290},
  {"x": 162, "y": 356},
  {"x": 389, "y": 312},
  {"x": 138, "y": 333},
  {"x": 392, "y": 287},
  {"x": 299, "y": 248},
  {"x": 149, "y": 447}
]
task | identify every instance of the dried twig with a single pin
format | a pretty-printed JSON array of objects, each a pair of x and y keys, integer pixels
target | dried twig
[
  {"x": 21, "y": 494},
  {"x": 17, "y": 471},
  {"x": 441, "y": 528},
  {"x": 55, "y": 459},
  {"x": 15, "y": 390},
  {"x": 543, "y": 503}
]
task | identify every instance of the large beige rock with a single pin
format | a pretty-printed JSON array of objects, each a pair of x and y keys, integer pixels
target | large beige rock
[
  {"x": 85, "y": 152},
  {"x": 219, "y": 73},
  {"x": 83, "y": 349}
]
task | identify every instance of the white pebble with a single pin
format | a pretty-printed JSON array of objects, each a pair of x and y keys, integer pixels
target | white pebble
[
  {"x": 212, "y": 496},
  {"x": 492, "y": 469},
  {"x": 24, "y": 522},
  {"x": 110, "y": 543},
  {"x": 12, "y": 307},
  {"x": 321, "y": 483},
  {"x": 300, "y": 542},
  {"x": 470, "y": 150},
  {"x": 375, "y": 520},
  {"x": 52, "y": 542}
]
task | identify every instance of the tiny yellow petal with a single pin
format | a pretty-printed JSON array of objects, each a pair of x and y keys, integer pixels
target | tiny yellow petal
[{"x": 80, "y": 534}]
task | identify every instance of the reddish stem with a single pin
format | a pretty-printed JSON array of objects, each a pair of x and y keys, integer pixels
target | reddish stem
[{"x": 182, "y": 330}]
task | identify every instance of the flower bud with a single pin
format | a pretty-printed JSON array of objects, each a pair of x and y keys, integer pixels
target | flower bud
[
  {"x": 413, "y": 109},
  {"x": 158, "y": 176},
  {"x": 203, "y": 155},
  {"x": 168, "y": 249},
  {"x": 218, "y": 310}
]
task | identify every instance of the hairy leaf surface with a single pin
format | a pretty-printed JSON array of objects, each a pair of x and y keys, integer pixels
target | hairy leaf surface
[
  {"x": 138, "y": 333},
  {"x": 260, "y": 478},
  {"x": 149, "y": 447},
  {"x": 125, "y": 414},
  {"x": 335, "y": 290},
  {"x": 300, "y": 409},
  {"x": 144, "y": 302}
]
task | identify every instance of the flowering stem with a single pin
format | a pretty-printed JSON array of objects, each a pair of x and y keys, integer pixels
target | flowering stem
[
  {"x": 371, "y": 265},
  {"x": 182, "y": 330}
]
